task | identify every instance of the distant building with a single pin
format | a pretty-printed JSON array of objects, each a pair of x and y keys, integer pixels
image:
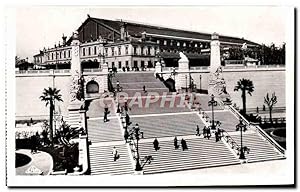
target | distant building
[{"x": 133, "y": 45}]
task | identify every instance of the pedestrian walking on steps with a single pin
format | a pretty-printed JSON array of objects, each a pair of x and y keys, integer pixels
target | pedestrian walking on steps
[
  {"x": 126, "y": 135},
  {"x": 204, "y": 132},
  {"x": 217, "y": 136},
  {"x": 156, "y": 144},
  {"x": 197, "y": 131},
  {"x": 208, "y": 133},
  {"x": 175, "y": 143},
  {"x": 126, "y": 106},
  {"x": 118, "y": 109},
  {"x": 115, "y": 153},
  {"x": 127, "y": 119},
  {"x": 183, "y": 145},
  {"x": 106, "y": 112}
]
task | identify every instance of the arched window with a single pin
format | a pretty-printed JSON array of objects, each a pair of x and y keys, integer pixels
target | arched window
[{"x": 92, "y": 87}]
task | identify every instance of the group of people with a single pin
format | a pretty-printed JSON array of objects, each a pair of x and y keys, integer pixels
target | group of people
[
  {"x": 206, "y": 132},
  {"x": 183, "y": 144}
]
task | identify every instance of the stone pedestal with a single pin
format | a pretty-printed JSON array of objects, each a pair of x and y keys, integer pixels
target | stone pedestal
[
  {"x": 158, "y": 68},
  {"x": 217, "y": 84},
  {"x": 183, "y": 77},
  {"x": 76, "y": 101}
]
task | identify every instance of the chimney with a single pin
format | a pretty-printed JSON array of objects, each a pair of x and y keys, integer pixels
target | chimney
[
  {"x": 123, "y": 31},
  {"x": 64, "y": 39}
]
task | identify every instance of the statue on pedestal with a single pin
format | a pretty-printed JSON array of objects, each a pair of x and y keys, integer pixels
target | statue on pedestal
[{"x": 218, "y": 85}]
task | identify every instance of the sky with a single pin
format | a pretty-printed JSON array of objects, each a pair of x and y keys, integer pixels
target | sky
[{"x": 42, "y": 26}]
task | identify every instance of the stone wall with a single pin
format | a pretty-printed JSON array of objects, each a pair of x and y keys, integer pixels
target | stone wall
[{"x": 29, "y": 88}]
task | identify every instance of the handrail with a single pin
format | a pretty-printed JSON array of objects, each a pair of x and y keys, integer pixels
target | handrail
[
  {"x": 239, "y": 115},
  {"x": 270, "y": 139},
  {"x": 262, "y": 132},
  {"x": 231, "y": 141}
]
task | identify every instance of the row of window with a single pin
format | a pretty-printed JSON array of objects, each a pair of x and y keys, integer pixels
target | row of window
[
  {"x": 118, "y": 49},
  {"x": 88, "y": 51},
  {"x": 135, "y": 64},
  {"x": 183, "y": 44},
  {"x": 60, "y": 55}
]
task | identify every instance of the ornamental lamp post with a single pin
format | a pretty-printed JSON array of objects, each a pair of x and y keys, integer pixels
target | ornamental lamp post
[
  {"x": 137, "y": 133},
  {"x": 212, "y": 103},
  {"x": 200, "y": 82},
  {"x": 186, "y": 88},
  {"x": 241, "y": 127}
]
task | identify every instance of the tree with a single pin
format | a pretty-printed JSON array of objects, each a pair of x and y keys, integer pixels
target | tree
[
  {"x": 270, "y": 101},
  {"x": 49, "y": 96},
  {"x": 245, "y": 85}
]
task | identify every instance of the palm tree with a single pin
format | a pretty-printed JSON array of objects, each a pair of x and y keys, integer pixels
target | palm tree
[
  {"x": 49, "y": 96},
  {"x": 245, "y": 85},
  {"x": 270, "y": 102}
]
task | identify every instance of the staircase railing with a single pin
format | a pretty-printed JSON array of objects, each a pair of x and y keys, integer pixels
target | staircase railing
[
  {"x": 233, "y": 144},
  {"x": 270, "y": 139},
  {"x": 262, "y": 132}
]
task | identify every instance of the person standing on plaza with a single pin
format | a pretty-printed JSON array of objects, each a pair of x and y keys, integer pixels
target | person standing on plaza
[
  {"x": 156, "y": 144},
  {"x": 175, "y": 143},
  {"x": 197, "y": 131},
  {"x": 144, "y": 88}
]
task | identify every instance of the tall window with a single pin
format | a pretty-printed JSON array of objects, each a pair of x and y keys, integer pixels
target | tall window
[
  {"x": 119, "y": 50},
  {"x": 106, "y": 51},
  {"x": 134, "y": 50},
  {"x": 69, "y": 53},
  {"x": 142, "y": 50},
  {"x": 83, "y": 51},
  {"x": 64, "y": 54},
  {"x": 178, "y": 44},
  {"x": 149, "y": 48},
  {"x": 60, "y": 55},
  {"x": 51, "y": 56},
  {"x": 112, "y": 51},
  {"x": 165, "y": 42},
  {"x": 184, "y": 44},
  {"x": 157, "y": 41},
  {"x": 126, "y": 50},
  {"x": 95, "y": 50},
  {"x": 120, "y": 65},
  {"x": 89, "y": 50},
  {"x": 126, "y": 64}
]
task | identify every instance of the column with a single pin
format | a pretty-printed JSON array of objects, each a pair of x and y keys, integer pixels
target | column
[{"x": 215, "y": 58}]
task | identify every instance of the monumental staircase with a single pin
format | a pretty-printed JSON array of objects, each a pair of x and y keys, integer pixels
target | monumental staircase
[
  {"x": 260, "y": 148},
  {"x": 201, "y": 153},
  {"x": 102, "y": 161},
  {"x": 133, "y": 82}
]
